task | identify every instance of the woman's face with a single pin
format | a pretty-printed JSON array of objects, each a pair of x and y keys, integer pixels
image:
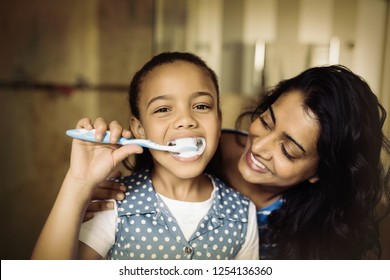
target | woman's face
[
  {"x": 281, "y": 148},
  {"x": 179, "y": 100}
]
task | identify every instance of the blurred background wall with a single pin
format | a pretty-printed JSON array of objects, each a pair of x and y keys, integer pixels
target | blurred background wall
[{"x": 61, "y": 60}]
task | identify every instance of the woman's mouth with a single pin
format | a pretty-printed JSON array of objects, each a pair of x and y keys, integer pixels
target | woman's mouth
[{"x": 255, "y": 165}]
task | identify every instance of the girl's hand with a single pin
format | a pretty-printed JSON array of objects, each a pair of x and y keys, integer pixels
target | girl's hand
[
  {"x": 101, "y": 126},
  {"x": 91, "y": 163}
]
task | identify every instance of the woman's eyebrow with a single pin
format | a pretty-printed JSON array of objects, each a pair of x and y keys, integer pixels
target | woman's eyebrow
[
  {"x": 285, "y": 134},
  {"x": 295, "y": 142},
  {"x": 272, "y": 114}
]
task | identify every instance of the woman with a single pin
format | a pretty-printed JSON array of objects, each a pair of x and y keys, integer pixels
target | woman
[{"x": 312, "y": 165}]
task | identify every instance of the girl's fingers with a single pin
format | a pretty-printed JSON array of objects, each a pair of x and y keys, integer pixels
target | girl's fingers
[
  {"x": 127, "y": 133},
  {"x": 101, "y": 127},
  {"x": 125, "y": 151},
  {"x": 84, "y": 123},
  {"x": 115, "y": 131}
]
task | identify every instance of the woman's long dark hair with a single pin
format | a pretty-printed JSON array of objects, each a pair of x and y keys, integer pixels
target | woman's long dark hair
[
  {"x": 336, "y": 217},
  {"x": 145, "y": 159}
]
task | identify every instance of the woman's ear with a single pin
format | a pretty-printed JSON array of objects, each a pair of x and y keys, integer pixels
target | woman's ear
[
  {"x": 136, "y": 128},
  {"x": 314, "y": 179}
]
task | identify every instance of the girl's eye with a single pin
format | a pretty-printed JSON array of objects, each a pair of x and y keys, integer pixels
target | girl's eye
[
  {"x": 161, "y": 110},
  {"x": 286, "y": 154},
  {"x": 202, "y": 107}
]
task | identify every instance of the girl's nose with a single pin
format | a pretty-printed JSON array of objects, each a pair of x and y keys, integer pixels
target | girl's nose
[{"x": 185, "y": 120}]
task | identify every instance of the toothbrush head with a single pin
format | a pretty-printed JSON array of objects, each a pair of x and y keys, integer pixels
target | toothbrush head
[{"x": 188, "y": 147}]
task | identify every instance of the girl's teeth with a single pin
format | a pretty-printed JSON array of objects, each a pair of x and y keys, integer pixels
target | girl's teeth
[{"x": 200, "y": 143}]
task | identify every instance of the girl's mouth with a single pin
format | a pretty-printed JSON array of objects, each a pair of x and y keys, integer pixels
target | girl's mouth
[{"x": 200, "y": 143}]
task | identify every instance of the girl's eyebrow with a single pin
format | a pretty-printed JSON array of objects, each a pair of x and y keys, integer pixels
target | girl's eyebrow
[
  {"x": 285, "y": 134},
  {"x": 167, "y": 96},
  {"x": 154, "y": 99}
]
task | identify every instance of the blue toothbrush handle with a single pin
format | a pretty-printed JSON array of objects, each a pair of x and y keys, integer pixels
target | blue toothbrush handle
[{"x": 87, "y": 135}]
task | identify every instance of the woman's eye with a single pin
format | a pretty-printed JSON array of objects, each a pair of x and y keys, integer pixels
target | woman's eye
[
  {"x": 264, "y": 123},
  {"x": 286, "y": 154}
]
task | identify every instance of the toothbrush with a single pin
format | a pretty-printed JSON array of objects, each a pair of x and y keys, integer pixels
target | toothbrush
[{"x": 89, "y": 135}]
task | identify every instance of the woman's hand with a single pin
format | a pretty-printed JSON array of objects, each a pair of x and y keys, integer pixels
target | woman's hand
[{"x": 108, "y": 189}]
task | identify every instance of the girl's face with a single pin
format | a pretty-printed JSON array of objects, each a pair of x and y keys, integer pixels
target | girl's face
[
  {"x": 281, "y": 148},
  {"x": 178, "y": 100}
]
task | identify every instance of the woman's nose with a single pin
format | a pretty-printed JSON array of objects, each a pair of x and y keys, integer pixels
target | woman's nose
[{"x": 263, "y": 146}]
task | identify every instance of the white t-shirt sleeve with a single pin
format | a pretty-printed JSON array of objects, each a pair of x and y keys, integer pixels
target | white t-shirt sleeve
[
  {"x": 250, "y": 249},
  {"x": 99, "y": 232}
]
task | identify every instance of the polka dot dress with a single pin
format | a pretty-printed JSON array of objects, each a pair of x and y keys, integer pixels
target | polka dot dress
[{"x": 146, "y": 229}]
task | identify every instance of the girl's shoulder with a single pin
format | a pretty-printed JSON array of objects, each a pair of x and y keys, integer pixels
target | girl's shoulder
[{"x": 227, "y": 192}]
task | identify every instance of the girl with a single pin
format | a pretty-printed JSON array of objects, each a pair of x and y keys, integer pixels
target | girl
[{"x": 172, "y": 210}]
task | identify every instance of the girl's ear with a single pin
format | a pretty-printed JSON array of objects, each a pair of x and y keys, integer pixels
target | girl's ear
[
  {"x": 314, "y": 179},
  {"x": 136, "y": 128}
]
